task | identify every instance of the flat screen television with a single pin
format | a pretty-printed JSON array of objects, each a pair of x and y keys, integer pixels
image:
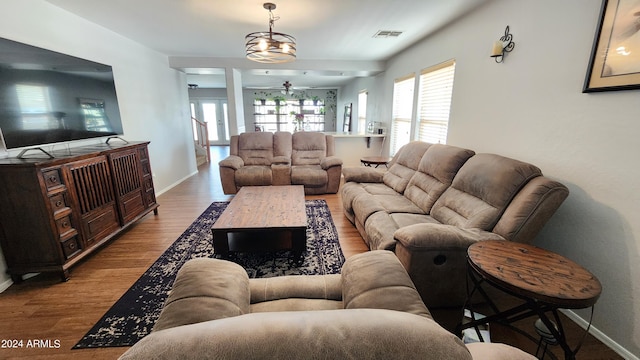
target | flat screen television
[{"x": 47, "y": 97}]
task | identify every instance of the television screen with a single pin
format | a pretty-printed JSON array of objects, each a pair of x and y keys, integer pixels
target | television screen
[{"x": 47, "y": 97}]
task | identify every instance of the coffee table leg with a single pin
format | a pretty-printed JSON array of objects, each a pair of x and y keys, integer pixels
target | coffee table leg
[
  {"x": 221, "y": 243},
  {"x": 299, "y": 244}
]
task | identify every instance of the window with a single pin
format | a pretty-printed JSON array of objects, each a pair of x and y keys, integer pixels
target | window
[
  {"x": 402, "y": 110},
  {"x": 436, "y": 89},
  {"x": 95, "y": 118},
  {"x": 35, "y": 107},
  {"x": 362, "y": 110},
  {"x": 289, "y": 115}
]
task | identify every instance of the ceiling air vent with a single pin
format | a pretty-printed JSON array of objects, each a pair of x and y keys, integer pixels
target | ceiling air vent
[{"x": 387, "y": 34}]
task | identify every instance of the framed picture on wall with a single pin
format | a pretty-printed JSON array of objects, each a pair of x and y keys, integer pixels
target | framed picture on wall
[{"x": 615, "y": 57}]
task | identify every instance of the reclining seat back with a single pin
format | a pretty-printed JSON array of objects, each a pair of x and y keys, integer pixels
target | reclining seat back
[
  {"x": 405, "y": 165},
  {"x": 436, "y": 171},
  {"x": 481, "y": 191},
  {"x": 309, "y": 149},
  {"x": 532, "y": 207},
  {"x": 256, "y": 150}
]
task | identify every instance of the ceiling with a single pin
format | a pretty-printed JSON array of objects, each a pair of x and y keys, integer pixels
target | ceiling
[{"x": 334, "y": 37}]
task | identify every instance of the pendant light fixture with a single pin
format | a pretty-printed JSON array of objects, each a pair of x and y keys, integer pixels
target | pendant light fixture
[{"x": 270, "y": 47}]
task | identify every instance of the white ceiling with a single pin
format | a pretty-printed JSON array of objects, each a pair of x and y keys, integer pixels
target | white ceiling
[{"x": 334, "y": 37}]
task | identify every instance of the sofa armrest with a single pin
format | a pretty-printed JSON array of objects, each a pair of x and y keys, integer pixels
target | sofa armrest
[
  {"x": 232, "y": 161},
  {"x": 205, "y": 289},
  {"x": 432, "y": 252},
  {"x": 377, "y": 280},
  {"x": 330, "y": 161},
  {"x": 439, "y": 236},
  {"x": 281, "y": 160},
  {"x": 362, "y": 174}
]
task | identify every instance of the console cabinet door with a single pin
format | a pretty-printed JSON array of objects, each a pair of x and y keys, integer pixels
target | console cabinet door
[
  {"x": 93, "y": 197},
  {"x": 127, "y": 181},
  {"x": 147, "y": 177}
]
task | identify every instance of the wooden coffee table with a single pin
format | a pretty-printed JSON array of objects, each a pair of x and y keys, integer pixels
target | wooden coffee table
[
  {"x": 263, "y": 218},
  {"x": 545, "y": 281}
]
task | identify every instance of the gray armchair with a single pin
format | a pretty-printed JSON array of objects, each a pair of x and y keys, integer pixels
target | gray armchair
[{"x": 369, "y": 311}]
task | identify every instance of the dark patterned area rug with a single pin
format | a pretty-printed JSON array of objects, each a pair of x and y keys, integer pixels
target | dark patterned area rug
[{"x": 133, "y": 316}]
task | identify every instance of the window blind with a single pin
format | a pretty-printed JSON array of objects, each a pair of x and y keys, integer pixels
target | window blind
[
  {"x": 402, "y": 109},
  {"x": 436, "y": 89}
]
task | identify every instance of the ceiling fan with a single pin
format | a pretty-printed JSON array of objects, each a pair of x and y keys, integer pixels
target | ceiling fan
[{"x": 287, "y": 88}]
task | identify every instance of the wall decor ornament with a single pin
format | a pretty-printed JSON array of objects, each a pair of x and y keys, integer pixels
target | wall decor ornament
[
  {"x": 615, "y": 56},
  {"x": 502, "y": 46}
]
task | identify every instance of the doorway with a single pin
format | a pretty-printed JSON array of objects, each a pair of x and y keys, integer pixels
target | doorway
[{"x": 215, "y": 113}]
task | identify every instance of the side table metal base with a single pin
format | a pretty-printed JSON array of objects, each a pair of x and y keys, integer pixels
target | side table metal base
[{"x": 527, "y": 309}]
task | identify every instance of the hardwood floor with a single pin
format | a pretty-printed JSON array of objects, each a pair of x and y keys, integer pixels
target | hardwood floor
[{"x": 44, "y": 308}]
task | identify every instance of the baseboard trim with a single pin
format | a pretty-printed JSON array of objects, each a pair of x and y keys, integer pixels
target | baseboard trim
[
  {"x": 5, "y": 285},
  {"x": 600, "y": 335},
  {"x": 175, "y": 183}
]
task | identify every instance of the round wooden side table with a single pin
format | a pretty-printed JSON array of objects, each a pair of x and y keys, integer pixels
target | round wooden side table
[
  {"x": 544, "y": 280},
  {"x": 375, "y": 160}
]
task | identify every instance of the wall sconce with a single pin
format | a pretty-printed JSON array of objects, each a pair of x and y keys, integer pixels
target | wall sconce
[{"x": 502, "y": 46}]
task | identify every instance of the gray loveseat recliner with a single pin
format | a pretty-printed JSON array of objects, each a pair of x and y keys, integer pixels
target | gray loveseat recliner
[
  {"x": 370, "y": 311},
  {"x": 436, "y": 200},
  {"x": 280, "y": 158}
]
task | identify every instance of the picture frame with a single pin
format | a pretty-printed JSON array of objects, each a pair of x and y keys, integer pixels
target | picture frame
[{"x": 615, "y": 55}]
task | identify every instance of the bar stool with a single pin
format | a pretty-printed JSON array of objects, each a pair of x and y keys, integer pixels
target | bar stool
[
  {"x": 375, "y": 160},
  {"x": 546, "y": 338}
]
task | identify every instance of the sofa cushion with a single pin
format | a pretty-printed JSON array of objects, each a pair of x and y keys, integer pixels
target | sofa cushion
[
  {"x": 205, "y": 289},
  {"x": 481, "y": 190},
  {"x": 309, "y": 175},
  {"x": 296, "y": 304},
  {"x": 288, "y": 293},
  {"x": 398, "y": 204},
  {"x": 284, "y": 287},
  {"x": 253, "y": 176},
  {"x": 256, "y": 148},
  {"x": 404, "y": 165},
  {"x": 436, "y": 171},
  {"x": 381, "y": 226}
]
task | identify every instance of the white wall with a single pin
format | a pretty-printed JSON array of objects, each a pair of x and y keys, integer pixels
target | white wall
[
  {"x": 152, "y": 97},
  {"x": 349, "y": 94},
  {"x": 531, "y": 108}
]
